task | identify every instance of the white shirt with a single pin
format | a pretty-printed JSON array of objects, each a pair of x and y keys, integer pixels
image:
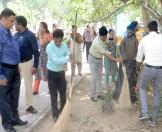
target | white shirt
[{"x": 150, "y": 47}]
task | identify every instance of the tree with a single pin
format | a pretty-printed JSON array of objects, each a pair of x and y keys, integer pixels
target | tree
[
  {"x": 145, "y": 14},
  {"x": 4, "y": 3},
  {"x": 88, "y": 10},
  {"x": 150, "y": 9}
]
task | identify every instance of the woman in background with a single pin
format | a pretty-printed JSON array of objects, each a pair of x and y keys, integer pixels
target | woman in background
[
  {"x": 43, "y": 37},
  {"x": 110, "y": 66},
  {"x": 75, "y": 45}
]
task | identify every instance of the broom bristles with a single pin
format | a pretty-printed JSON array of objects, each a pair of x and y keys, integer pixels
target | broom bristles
[{"x": 124, "y": 102}]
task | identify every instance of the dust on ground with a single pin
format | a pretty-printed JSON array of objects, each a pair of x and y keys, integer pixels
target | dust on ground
[{"x": 87, "y": 116}]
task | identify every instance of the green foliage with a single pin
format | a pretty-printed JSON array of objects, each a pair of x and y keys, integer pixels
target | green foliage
[{"x": 64, "y": 11}]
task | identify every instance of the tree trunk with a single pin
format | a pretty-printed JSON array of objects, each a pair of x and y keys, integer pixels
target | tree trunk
[
  {"x": 4, "y": 3},
  {"x": 161, "y": 2},
  {"x": 145, "y": 16},
  {"x": 160, "y": 21}
]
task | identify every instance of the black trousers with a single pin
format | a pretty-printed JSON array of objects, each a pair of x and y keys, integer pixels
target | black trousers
[
  {"x": 57, "y": 83},
  {"x": 132, "y": 80},
  {"x": 9, "y": 96},
  {"x": 88, "y": 45}
]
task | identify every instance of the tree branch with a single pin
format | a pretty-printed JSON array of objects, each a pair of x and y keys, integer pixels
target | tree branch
[
  {"x": 108, "y": 14},
  {"x": 152, "y": 11}
]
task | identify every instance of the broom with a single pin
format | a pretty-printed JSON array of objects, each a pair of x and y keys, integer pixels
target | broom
[
  {"x": 73, "y": 61},
  {"x": 108, "y": 103},
  {"x": 124, "y": 102}
]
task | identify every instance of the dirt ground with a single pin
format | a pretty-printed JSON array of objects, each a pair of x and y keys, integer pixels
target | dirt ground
[{"x": 87, "y": 116}]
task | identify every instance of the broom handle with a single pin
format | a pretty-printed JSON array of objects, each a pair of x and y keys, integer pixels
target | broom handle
[{"x": 76, "y": 16}]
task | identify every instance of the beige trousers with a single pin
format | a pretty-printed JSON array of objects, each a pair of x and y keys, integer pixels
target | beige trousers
[{"x": 26, "y": 74}]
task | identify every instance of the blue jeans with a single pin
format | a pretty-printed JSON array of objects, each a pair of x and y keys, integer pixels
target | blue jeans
[
  {"x": 9, "y": 96},
  {"x": 155, "y": 75}
]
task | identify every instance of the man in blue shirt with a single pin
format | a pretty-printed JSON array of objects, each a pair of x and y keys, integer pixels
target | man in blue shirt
[
  {"x": 9, "y": 73},
  {"x": 58, "y": 56},
  {"x": 28, "y": 49}
]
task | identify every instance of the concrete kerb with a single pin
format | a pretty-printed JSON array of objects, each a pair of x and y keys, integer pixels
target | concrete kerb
[
  {"x": 46, "y": 112},
  {"x": 42, "y": 116}
]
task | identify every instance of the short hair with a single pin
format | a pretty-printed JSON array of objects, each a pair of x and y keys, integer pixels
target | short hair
[
  {"x": 21, "y": 20},
  {"x": 103, "y": 31},
  {"x": 58, "y": 33},
  {"x": 111, "y": 30},
  {"x": 7, "y": 13},
  {"x": 153, "y": 26},
  {"x": 74, "y": 26},
  {"x": 54, "y": 25}
]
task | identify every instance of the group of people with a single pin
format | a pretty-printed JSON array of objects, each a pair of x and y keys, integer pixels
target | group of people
[
  {"x": 44, "y": 55},
  {"x": 130, "y": 53},
  {"x": 22, "y": 56}
]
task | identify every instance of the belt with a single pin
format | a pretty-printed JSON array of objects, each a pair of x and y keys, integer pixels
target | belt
[
  {"x": 25, "y": 60},
  {"x": 10, "y": 66},
  {"x": 88, "y": 42},
  {"x": 155, "y": 67},
  {"x": 95, "y": 57},
  {"x": 57, "y": 72}
]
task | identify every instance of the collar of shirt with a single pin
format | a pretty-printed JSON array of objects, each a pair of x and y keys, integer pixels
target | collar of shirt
[
  {"x": 4, "y": 30},
  {"x": 101, "y": 42},
  {"x": 59, "y": 47},
  {"x": 153, "y": 33},
  {"x": 150, "y": 47},
  {"x": 25, "y": 31}
]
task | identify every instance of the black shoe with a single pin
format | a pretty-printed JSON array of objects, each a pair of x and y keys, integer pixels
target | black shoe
[
  {"x": 35, "y": 93},
  {"x": 93, "y": 99},
  {"x": 80, "y": 74},
  {"x": 115, "y": 95},
  {"x": 60, "y": 110},
  {"x": 101, "y": 97},
  {"x": 19, "y": 122},
  {"x": 31, "y": 110},
  {"x": 55, "y": 119},
  {"x": 10, "y": 129}
]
